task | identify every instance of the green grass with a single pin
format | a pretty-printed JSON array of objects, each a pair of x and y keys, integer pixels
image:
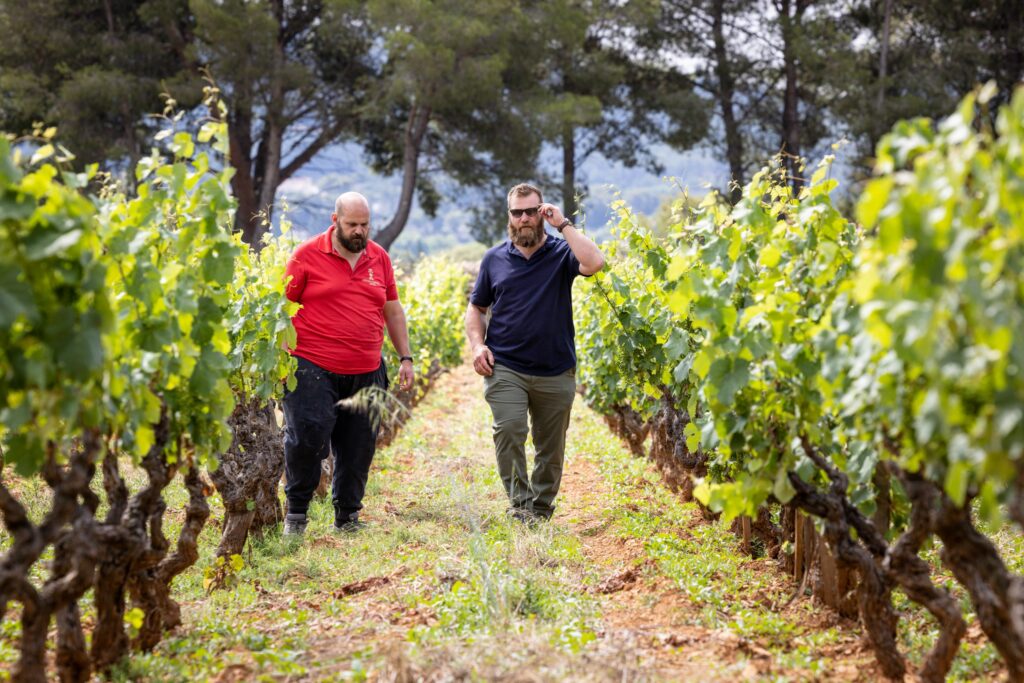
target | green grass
[
  {"x": 437, "y": 530},
  {"x": 468, "y": 593}
]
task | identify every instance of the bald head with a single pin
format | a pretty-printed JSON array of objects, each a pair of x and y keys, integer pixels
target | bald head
[
  {"x": 349, "y": 201},
  {"x": 352, "y": 221}
]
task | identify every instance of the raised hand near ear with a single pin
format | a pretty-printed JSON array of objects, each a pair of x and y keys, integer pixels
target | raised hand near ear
[{"x": 552, "y": 214}]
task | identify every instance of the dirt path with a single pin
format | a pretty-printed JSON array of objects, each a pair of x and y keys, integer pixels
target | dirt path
[
  {"x": 642, "y": 611},
  {"x": 443, "y": 587},
  {"x": 642, "y": 607}
]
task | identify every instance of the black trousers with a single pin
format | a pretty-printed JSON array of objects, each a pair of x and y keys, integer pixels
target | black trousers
[{"x": 315, "y": 425}]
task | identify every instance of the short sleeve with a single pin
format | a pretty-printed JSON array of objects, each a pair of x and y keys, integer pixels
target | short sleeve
[
  {"x": 390, "y": 286},
  {"x": 294, "y": 288},
  {"x": 483, "y": 294},
  {"x": 572, "y": 264}
]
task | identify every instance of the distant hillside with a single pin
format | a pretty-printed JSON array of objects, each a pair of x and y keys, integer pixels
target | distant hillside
[{"x": 310, "y": 195}]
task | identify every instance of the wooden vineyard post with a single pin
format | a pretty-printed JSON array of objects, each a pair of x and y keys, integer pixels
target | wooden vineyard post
[
  {"x": 798, "y": 546},
  {"x": 828, "y": 582},
  {"x": 832, "y": 583},
  {"x": 745, "y": 529},
  {"x": 788, "y": 520},
  {"x": 805, "y": 543},
  {"x": 811, "y": 539}
]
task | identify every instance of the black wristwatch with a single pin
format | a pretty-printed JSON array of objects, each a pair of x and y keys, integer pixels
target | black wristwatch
[
  {"x": 401, "y": 358},
  {"x": 563, "y": 226}
]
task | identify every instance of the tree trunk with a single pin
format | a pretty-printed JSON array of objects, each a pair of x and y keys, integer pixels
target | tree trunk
[
  {"x": 726, "y": 92},
  {"x": 243, "y": 185},
  {"x": 235, "y": 531},
  {"x": 416, "y": 128},
  {"x": 75, "y": 558},
  {"x": 142, "y": 584},
  {"x": 790, "y": 13},
  {"x": 883, "y": 66},
  {"x": 874, "y": 586},
  {"x": 787, "y": 520},
  {"x": 269, "y": 160},
  {"x": 31, "y": 664},
  {"x": 569, "y": 171},
  {"x": 73, "y": 662},
  {"x": 268, "y": 512},
  {"x": 152, "y": 587},
  {"x": 326, "y": 476},
  {"x": 109, "y": 639}
]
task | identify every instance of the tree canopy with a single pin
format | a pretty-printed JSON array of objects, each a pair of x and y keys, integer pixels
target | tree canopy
[{"x": 453, "y": 96}]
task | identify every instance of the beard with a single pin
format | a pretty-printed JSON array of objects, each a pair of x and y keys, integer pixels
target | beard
[
  {"x": 526, "y": 236},
  {"x": 354, "y": 244}
]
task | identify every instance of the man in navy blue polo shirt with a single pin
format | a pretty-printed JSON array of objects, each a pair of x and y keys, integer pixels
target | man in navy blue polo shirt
[{"x": 527, "y": 352}]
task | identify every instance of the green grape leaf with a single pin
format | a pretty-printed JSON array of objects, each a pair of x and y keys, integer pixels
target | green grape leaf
[
  {"x": 82, "y": 353},
  {"x": 16, "y": 297},
  {"x": 958, "y": 476}
]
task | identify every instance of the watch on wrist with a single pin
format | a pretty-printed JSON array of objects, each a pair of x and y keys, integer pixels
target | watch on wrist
[
  {"x": 401, "y": 358},
  {"x": 563, "y": 226}
]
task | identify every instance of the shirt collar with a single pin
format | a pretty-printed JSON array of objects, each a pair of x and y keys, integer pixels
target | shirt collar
[{"x": 323, "y": 242}]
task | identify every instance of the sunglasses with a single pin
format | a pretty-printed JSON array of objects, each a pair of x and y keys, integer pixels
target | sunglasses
[{"x": 531, "y": 212}]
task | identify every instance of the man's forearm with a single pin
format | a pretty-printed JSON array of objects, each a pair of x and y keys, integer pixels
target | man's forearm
[
  {"x": 475, "y": 326},
  {"x": 583, "y": 248},
  {"x": 398, "y": 330}
]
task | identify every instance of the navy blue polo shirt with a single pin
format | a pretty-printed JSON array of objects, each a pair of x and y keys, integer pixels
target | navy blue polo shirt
[{"x": 531, "y": 328}]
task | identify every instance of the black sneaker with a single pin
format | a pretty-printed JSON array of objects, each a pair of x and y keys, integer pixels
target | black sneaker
[
  {"x": 349, "y": 524},
  {"x": 524, "y": 515},
  {"x": 542, "y": 515},
  {"x": 295, "y": 524}
]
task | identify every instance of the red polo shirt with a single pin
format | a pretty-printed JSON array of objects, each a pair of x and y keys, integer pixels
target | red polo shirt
[{"x": 340, "y": 326}]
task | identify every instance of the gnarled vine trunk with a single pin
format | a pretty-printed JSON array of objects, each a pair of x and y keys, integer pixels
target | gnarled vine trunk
[
  {"x": 874, "y": 594},
  {"x": 151, "y": 586},
  {"x": 134, "y": 550},
  {"x": 976, "y": 564},
  {"x": 668, "y": 448},
  {"x": 124, "y": 539},
  {"x": 65, "y": 526},
  {"x": 248, "y": 474},
  {"x": 882, "y": 566},
  {"x": 914, "y": 576},
  {"x": 628, "y": 425}
]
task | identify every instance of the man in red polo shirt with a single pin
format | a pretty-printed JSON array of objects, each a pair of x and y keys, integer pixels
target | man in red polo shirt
[{"x": 346, "y": 286}]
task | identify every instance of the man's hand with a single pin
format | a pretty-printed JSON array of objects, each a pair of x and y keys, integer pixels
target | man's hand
[
  {"x": 483, "y": 361},
  {"x": 406, "y": 375},
  {"x": 552, "y": 214}
]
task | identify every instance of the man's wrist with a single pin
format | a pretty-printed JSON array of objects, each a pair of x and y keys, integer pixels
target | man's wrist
[
  {"x": 565, "y": 224},
  {"x": 405, "y": 358}
]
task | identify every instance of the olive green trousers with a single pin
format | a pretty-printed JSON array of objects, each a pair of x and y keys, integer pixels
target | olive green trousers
[{"x": 523, "y": 403}]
